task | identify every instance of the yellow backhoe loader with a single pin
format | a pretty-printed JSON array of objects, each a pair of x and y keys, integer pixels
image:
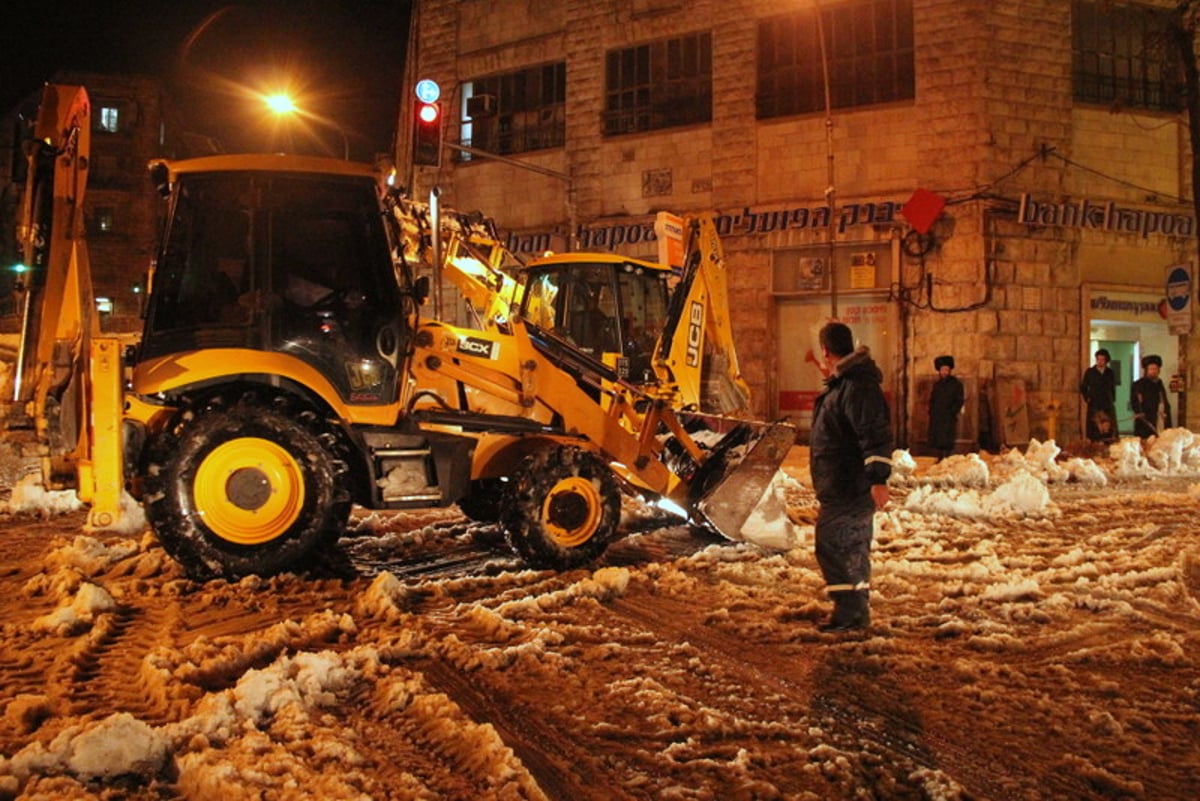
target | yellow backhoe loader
[{"x": 285, "y": 372}]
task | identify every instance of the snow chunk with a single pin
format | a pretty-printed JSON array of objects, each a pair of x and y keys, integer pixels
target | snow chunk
[
  {"x": 89, "y": 601},
  {"x": 119, "y": 745},
  {"x": 964, "y": 470},
  {"x": 769, "y": 525},
  {"x": 1022, "y": 495},
  {"x": 903, "y": 467}
]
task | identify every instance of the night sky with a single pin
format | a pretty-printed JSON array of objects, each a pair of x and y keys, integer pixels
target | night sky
[{"x": 342, "y": 60}]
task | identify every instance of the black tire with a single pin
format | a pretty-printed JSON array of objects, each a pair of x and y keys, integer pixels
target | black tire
[
  {"x": 561, "y": 508},
  {"x": 247, "y": 489},
  {"x": 483, "y": 503}
]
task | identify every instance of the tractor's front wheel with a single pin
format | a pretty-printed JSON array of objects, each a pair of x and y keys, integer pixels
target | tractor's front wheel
[
  {"x": 561, "y": 508},
  {"x": 248, "y": 489}
]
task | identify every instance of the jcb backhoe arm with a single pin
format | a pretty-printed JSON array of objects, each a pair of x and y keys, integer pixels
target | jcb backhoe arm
[
  {"x": 696, "y": 350},
  {"x": 68, "y": 377}
]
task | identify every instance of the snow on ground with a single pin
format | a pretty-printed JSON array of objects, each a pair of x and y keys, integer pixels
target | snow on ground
[{"x": 1034, "y": 636}]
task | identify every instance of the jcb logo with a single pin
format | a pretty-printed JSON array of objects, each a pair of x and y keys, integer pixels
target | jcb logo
[
  {"x": 695, "y": 333},
  {"x": 472, "y": 346}
]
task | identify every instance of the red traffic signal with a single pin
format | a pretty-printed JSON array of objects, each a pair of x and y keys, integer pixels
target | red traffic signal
[{"x": 427, "y": 134}]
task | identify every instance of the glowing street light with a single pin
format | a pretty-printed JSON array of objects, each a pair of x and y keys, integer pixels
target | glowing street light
[{"x": 281, "y": 103}]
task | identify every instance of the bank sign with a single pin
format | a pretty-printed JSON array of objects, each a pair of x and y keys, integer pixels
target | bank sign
[
  {"x": 1179, "y": 298},
  {"x": 1105, "y": 215}
]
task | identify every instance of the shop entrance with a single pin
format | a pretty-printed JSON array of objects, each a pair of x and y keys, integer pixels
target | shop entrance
[
  {"x": 1124, "y": 364},
  {"x": 1130, "y": 325}
]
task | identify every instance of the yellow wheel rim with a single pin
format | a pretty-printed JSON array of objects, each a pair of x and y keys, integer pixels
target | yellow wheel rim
[
  {"x": 571, "y": 512},
  {"x": 249, "y": 491}
]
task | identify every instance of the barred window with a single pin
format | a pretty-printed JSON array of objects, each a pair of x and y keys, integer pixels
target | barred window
[
  {"x": 1122, "y": 55},
  {"x": 516, "y": 112},
  {"x": 659, "y": 85},
  {"x": 869, "y": 48}
]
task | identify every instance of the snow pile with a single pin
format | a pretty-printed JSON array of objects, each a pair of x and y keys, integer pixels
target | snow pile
[
  {"x": 1022, "y": 495},
  {"x": 1039, "y": 460},
  {"x": 962, "y": 470},
  {"x": 30, "y": 497},
  {"x": 1129, "y": 460},
  {"x": 1175, "y": 450},
  {"x": 1086, "y": 471}
]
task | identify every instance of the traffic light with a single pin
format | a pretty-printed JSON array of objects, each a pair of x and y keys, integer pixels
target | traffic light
[{"x": 427, "y": 134}]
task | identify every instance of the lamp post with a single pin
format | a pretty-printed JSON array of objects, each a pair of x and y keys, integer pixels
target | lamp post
[{"x": 282, "y": 104}]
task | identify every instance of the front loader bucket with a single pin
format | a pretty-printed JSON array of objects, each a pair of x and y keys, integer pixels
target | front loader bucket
[{"x": 729, "y": 485}]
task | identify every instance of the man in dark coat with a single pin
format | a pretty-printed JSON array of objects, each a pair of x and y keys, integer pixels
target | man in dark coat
[
  {"x": 1148, "y": 397},
  {"x": 1099, "y": 391},
  {"x": 850, "y": 458},
  {"x": 945, "y": 404}
]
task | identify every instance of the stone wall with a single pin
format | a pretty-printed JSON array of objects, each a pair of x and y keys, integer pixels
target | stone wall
[{"x": 993, "y": 119}]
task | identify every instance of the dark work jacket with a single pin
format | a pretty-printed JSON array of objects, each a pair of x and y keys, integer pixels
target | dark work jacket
[{"x": 851, "y": 440}]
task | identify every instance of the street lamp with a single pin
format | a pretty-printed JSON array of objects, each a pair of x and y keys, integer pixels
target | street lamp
[{"x": 281, "y": 104}]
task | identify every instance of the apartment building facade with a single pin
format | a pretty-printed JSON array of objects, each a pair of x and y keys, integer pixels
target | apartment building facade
[
  {"x": 132, "y": 122},
  {"x": 1004, "y": 182}
]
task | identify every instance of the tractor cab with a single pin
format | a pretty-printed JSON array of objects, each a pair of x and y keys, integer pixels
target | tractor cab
[
  {"x": 611, "y": 307},
  {"x": 294, "y": 262}
]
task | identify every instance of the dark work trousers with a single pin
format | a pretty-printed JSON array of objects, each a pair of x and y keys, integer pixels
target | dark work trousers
[{"x": 843, "y": 545}]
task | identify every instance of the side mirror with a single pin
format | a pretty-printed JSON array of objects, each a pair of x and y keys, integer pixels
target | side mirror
[
  {"x": 420, "y": 290},
  {"x": 160, "y": 176}
]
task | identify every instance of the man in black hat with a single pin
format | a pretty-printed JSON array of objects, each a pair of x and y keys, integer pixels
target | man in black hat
[
  {"x": 1099, "y": 391},
  {"x": 1148, "y": 397},
  {"x": 945, "y": 405},
  {"x": 850, "y": 460}
]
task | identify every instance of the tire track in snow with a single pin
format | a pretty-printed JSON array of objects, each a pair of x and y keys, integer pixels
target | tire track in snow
[
  {"x": 857, "y": 716},
  {"x": 556, "y": 763}
]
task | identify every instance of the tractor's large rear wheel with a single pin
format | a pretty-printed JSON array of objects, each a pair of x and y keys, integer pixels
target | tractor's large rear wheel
[
  {"x": 482, "y": 504},
  {"x": 247, "y": 489},
  {"x": 561, "y": 508}
]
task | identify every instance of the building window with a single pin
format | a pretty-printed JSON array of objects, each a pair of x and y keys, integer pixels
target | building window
[
  {"x": 1122, "y": 56},
  {"x": 659, "y": 85},
  {"x": 516, "y": 112},
  {"x": 868, "y": 46},
  {"x": 109, "y": 119}
]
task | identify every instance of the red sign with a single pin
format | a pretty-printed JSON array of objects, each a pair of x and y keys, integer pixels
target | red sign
[{"x": 922, "y": 209}]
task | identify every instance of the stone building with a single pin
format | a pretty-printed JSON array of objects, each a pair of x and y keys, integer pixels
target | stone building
[
  {"x": 132, "y": 122},
  {"x": 1009, "y": 181}
]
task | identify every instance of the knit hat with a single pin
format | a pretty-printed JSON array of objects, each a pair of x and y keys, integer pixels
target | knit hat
[{"x": 943, "y": 361}]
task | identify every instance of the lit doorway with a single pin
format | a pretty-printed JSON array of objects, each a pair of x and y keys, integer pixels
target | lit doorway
[{"x": 1123, "y": 361}]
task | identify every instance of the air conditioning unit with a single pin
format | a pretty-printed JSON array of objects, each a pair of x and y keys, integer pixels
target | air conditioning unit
[{"x": 481, "y": 106}]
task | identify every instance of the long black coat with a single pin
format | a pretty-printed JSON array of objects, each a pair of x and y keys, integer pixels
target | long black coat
[
  {"x": 1147, "y": 397},
  {"x": 851, "y": 439},
  {"x": 1099, "y": 391},
  {"x": 945, "y": 402}
]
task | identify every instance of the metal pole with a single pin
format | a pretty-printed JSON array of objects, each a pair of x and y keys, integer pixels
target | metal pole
[{"x": 830, "y": 189}]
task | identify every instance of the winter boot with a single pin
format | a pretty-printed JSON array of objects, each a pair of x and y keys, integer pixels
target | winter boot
[{"x": 851, "y": 610}]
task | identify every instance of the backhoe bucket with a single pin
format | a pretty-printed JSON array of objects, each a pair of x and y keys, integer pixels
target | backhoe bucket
[{"x": 729, "y": 485}]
